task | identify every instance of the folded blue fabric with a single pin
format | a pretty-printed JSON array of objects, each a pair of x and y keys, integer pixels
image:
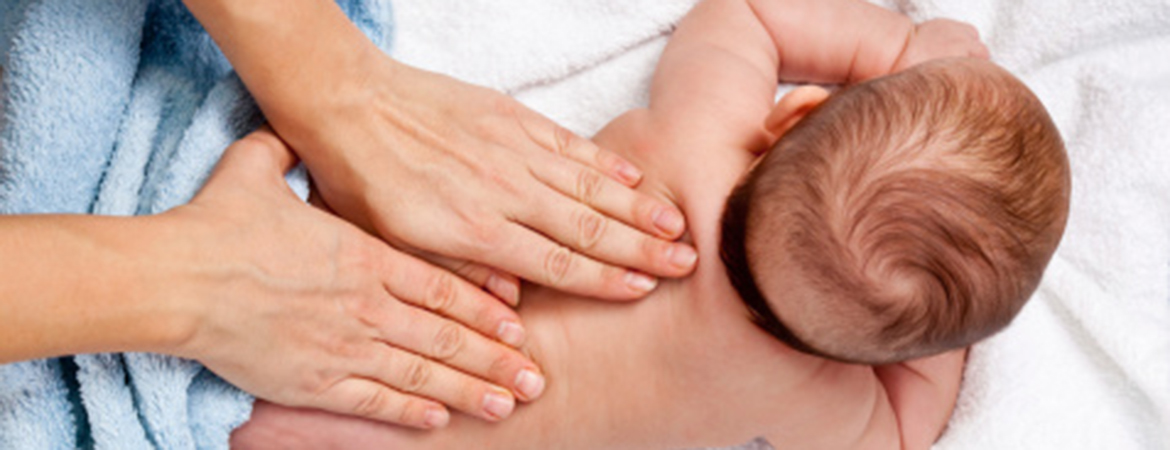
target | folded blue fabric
[{"x": 119, "y": 107}]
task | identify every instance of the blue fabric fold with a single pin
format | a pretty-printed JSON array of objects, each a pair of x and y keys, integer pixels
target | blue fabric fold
[{"x": 120, "y": 107}]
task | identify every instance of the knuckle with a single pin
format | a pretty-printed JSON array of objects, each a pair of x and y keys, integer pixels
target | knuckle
[
  {"x": 590, "y": 229},
  {"x": 644, "y": 208},
  {"x": 502, "y": 104},
  {"x": 652, "y": 248},
  {"x": 362, "y": 257},
  {"x": 588, "y": 185},
  {"x": 449, "y": 341},
  {"x": 418, "y": 375},
  {"x": 501, "y": 366},
  {"x": 488, "y": 126},
  {"x": 563, "y": 140},
  {"x": 486, "y": 316},
  {"x": 481, "y": 238},
  {"x": 261, "y": 141},
  {"x": 614, "y": 278},
  {"x": 440, "y": 295},
  {"x": 364, "y": 308},
  {"x": 372, "y": 404},
  {"x": 471, "y": 272},
  {"x": 602, "y": 158},
  {"x": 342, "y": 348},
  {"x": 501, "y": 180},
  {"x": 413, "y": 412},
  {"x": 556, "y": 265}
]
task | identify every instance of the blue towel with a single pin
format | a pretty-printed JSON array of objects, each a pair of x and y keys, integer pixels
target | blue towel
[{"x": 119, "y": 107}]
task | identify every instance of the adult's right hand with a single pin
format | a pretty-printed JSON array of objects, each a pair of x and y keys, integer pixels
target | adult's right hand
[
  {"x": 303, "y": 309},
  {"x": 511, "y": 189},
  {"x": 397, "y": 150}
]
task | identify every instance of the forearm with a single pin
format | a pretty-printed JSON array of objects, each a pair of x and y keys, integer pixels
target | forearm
[
  {"x": 833, "y": 41},
  {"x": 719, "y": 69},
  {"x": 302, "y": 60},
  {"x": 84, "y": 284},
  {"x": 726, "y": 57},
  {"x": 923, "y": 394}
]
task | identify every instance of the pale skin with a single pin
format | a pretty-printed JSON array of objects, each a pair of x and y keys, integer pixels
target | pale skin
[
  {"x": 396, "y": 333},
  {"x": 685, "y": 367},
  {"x": 217, "y": 281},
  {"x": 395, "y": 150}
]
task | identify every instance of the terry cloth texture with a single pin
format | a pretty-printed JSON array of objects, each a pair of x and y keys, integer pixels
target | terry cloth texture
[
  {"x": 1087, "y": 363},
  {"x": 119, "y": 107}
]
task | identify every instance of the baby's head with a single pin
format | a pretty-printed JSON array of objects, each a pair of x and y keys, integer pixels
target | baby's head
[{"x": 901, "y": 217}]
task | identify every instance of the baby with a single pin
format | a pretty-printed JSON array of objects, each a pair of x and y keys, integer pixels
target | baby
[
  {"x": 903, "y": 217},
  {"x": 890, "y": 224}
]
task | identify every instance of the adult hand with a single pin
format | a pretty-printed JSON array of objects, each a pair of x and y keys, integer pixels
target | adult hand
[
  {"x": 941, "y": 38},
  {"x": 303, "y": 309},
  {"x": 435, "y": 165}
]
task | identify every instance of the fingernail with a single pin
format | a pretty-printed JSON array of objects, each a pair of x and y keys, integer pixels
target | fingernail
[
  {"x": 529, "y": 384},
  {"x": 668, "y": 221},
  {"x": 511, "y": 333},
  {"x": 505, "y": 290},
  {"x": 436, "y": 418},
  {"x": 682, "y": 256},
  {"x": 640, "y": 282},
  {"x": 630, "y": 174},
  {"x": 497, "y": 405}
]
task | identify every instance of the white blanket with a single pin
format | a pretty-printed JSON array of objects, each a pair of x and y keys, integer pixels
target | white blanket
[{"x": 1087, "y": 363}]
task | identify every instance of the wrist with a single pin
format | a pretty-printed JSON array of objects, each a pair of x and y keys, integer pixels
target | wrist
[
  {"x": 299, "y": 79},
  {"x": 882, "y": 54},
  {"x": 85, "y": 284},
  {"x": 171, "y": 281}
]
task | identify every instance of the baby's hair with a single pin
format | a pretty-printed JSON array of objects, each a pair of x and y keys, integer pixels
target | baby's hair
[{"x": 912, "y": 214}]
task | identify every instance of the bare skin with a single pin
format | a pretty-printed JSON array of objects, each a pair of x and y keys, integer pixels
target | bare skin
[
  {"x": 685, "y": 367},
  {"x": 353, "y": 322},
  {"x": 394, "y": 150}
]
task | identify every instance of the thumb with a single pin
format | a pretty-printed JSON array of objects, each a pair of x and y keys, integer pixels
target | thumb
[
  {"x": 264, "y": 148},
  {"x": 257, "y": 156}
]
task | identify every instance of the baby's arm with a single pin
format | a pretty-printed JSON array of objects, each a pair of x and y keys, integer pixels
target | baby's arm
[
  {"x": 922, "y": 394},
  {"x": 727, "y": 56}
]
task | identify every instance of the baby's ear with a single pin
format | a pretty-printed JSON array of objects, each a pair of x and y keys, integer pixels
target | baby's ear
[{"x": 792, "y": 108}]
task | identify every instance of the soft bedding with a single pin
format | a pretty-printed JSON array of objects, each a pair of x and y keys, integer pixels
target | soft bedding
[{"x": 1087, "y": 363}]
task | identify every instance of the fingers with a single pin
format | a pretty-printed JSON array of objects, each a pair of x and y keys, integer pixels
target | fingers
[
  {"x": 375, "y": 401},
  {"x": 259, "y": 160},
  {"x": 445, "y": 330},
  {"x": 540, "y": 260},
  {"x": 503, "y": 285},
  {"x": 497, "y": 369},
  {"x": 608, "y": 240},
  {"x": 559, "y": 140},
  {"x": 587, "y": 186},
  {"x": 411, "y": 374},
  {"x": 266, "y": 146},
  {"x": 437, "y": 290}
]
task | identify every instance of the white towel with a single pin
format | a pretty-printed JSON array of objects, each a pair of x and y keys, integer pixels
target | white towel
[{"x": 1087, "y": 363}]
